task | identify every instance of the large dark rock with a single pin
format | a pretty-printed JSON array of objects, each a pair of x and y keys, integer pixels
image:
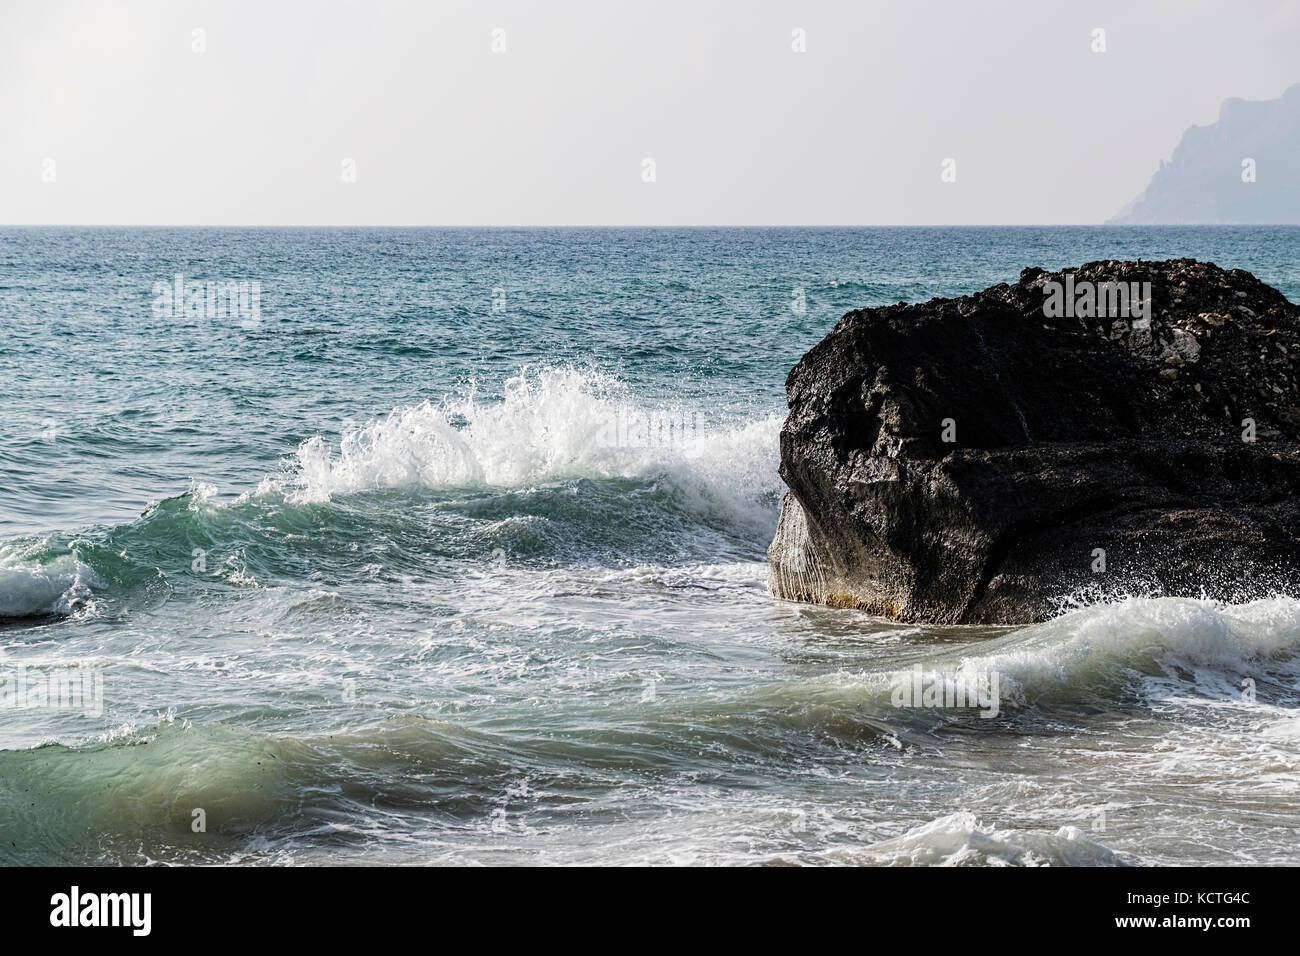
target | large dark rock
[{"x": 1074, "y": 436}]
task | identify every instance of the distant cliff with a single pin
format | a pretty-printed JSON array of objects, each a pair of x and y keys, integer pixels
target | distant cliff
[{"x": 1204, "y": 182}]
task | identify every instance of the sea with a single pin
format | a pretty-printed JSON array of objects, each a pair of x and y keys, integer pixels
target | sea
[{"x": 447, "y": 546}]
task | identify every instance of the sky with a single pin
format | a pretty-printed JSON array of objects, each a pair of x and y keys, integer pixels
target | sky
[{"x": 383, "y": 112}]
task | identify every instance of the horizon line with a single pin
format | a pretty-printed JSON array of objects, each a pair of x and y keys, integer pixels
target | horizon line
[{"x": 989, "y": 225}]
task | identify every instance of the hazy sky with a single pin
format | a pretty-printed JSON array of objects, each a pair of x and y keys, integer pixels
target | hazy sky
[{"x": 742, "y": 129}]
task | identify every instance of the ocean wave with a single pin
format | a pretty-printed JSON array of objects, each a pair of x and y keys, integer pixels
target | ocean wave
[
  {"x": 140, "y": 792},
  {"x": 1126, "y": 653},
  {"x": 566, "y": 467},
  {"x": 59, "y": 587},
  {"x": 80, "y": 574},
  {"x": 1150, "y": 636},
  {"x": 553, "y": 423}
]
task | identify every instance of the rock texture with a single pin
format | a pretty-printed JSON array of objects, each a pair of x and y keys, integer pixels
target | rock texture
[{"x": 1106, "y": 454}]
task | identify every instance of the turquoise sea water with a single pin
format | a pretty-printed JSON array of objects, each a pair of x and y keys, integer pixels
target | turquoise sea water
[{"x": 454, "y": 551}]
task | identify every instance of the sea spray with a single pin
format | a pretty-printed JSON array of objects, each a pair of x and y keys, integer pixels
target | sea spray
[{"x": 551, "y": 424}]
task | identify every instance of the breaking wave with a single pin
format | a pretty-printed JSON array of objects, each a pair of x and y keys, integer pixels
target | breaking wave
[
  {"x": 60, "y": 587},
  {"x": 552, "y": 424},
  {"x": 1124, "y": 653}
]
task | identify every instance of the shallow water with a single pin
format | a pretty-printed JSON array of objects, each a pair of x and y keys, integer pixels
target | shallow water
[{"x": 390, "y": 576}]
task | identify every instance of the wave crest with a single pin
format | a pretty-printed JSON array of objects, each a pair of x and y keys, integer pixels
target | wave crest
[
  {"x": 59, "y": 587},
  {"x": 551, "y": 424}
]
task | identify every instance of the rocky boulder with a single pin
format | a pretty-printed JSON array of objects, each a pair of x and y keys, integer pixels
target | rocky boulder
[{"x": 1123, "y": 427}]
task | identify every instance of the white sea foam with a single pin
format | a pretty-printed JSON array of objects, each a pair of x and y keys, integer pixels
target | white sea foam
[
  {"x": 959, "y": 839},
  {"x": 1203, "y": 646},
  {"x": 552, "y": 424},
  {"x": 57, "y": 587},
  {"x": 1145, "y": 634}
]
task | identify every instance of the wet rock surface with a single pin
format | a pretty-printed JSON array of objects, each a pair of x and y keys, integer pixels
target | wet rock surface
[{"x": 986, "y": 459}]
